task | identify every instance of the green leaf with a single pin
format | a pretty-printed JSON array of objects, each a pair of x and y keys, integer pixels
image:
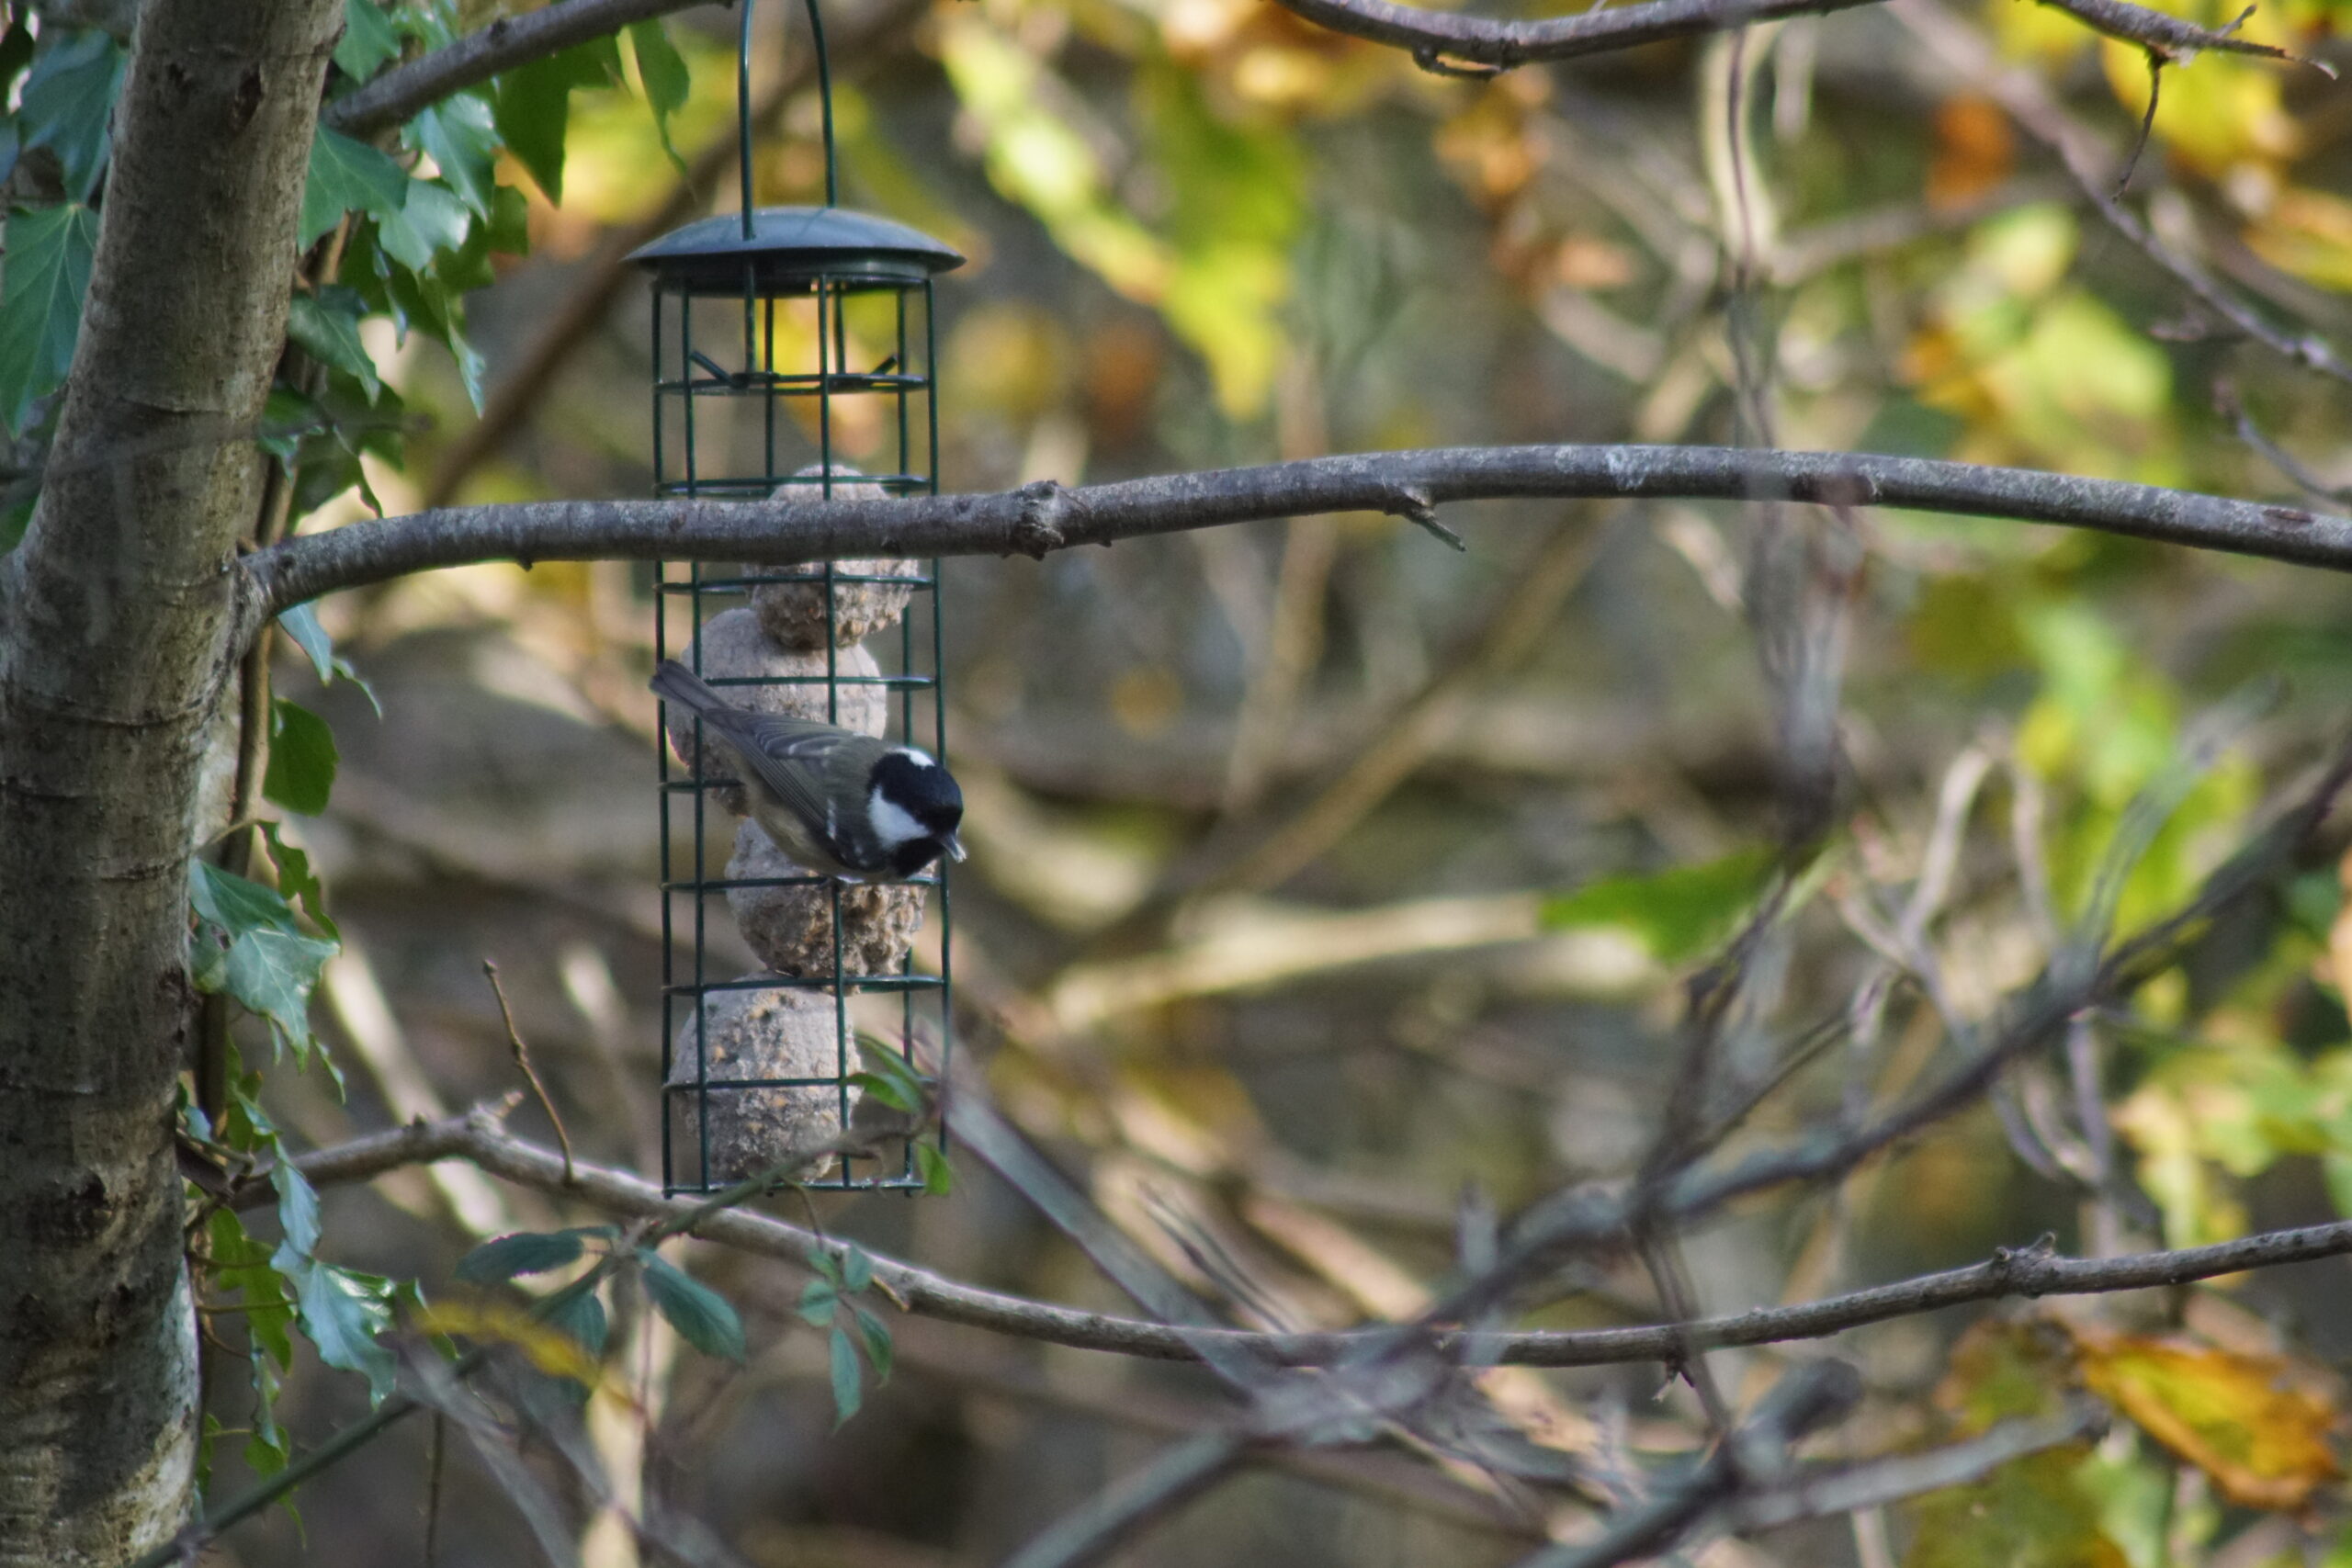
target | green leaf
[
  {"x": 857, "y": 1269},
  {"x": 297, "y": 1208},
  {"x": 460, "y": 135},
  {"x": 342, "y": 1311},
  {"x": 347, "y": 176},
  {"x": 1676, "y": 914},
  {"x": 41, "y": 303},
  {"x": 818, "y": 1300},
  {"x": 885, "y": 1091},
  {"x": 301, "y": 760},
  {"x": 240, "y": 1263},
  {"x": 663, "y": 72},
  {"x": 431, "y": 220},
  {"x": 526, "y": 1252},
  {"x": 582, "y": 1317},
  {"x": 296, "y": 879},
  {"x": 878, "y": 1348},
  {"x": 235, "y": 903},
  {"x": 369, "y": 40},
  {"x": 700, "y": 1314},
  {"x": 327, "y": 328},
  {"x": 68, "y": 101},
  {"x": 301, "y": 624},
  {"x": 849, "y": 1378},
  {"x": 273, "y": 973},
  {"x": 938, "y": 1179},
  {"x": 535, "y": 102}
]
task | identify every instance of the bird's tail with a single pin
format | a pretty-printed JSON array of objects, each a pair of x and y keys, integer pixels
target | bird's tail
[{"x": 673, "y": 683}]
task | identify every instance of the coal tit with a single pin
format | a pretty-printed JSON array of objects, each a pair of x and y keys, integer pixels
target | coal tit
[{"x": 839, "y": 803}]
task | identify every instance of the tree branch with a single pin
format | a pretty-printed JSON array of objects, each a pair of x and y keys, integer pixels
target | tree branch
[
  {"x": 1046, "y": 516},
  {"x": 2031, "y": 1271},
  {"x": 1444, "y": 42},
  {"x": 506, "y": 43},
  {"x": 1435, "y": 37}
]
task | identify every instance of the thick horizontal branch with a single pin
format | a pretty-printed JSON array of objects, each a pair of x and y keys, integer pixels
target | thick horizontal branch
[
  {"x": 2024, "y": 1272},
  {"x": 506, "y": 43},
  {"x": 1446, "y": 42},
  {"x": 1047, "y": 516},
  {"x": 1435, "y": 37}
]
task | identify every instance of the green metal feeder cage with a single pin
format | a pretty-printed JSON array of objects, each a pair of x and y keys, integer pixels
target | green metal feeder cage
[{"x": 794, "y": 353}]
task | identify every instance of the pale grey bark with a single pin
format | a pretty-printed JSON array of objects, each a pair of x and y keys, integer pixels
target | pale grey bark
[
  {"x": 112, "y": 655},
  {"x": 1046, "y": 516}
]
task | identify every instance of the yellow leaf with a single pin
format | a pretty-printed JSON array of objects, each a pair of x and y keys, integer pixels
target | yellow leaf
[
  {"x": 549, "y": 1349},
  {"x": 2255, "y": 1423}
]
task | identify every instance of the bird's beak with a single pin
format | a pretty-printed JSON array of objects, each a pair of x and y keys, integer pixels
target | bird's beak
[{"x": 955, "y": 849}]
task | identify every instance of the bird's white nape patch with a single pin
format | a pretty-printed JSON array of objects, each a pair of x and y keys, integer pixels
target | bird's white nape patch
[
  {"x": 917, "y": 757},
  {"x": 893, "y": 824}
]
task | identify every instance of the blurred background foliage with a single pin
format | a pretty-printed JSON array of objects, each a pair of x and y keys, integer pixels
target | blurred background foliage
[{"x": 1320, "y": 875}]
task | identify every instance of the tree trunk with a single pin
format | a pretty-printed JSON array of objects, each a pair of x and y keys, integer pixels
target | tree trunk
[{"x": 111, "y": 658}]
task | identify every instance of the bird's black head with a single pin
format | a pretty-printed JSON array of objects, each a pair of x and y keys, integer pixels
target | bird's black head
[{"x": 915, "y": 808}]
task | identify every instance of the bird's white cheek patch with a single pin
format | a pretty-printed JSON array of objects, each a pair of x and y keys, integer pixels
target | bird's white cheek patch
[{"x": 892, "y": 823}]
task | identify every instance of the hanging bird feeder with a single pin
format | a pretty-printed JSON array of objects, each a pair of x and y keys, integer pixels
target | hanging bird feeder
[{"x": 793, "y": 357}]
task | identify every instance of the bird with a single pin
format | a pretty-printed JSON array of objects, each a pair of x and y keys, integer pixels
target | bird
[{"x": 844, "y": 804}]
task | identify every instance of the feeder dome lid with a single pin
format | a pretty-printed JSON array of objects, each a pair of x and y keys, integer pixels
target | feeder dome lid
[{"x": 791, "y": 247}]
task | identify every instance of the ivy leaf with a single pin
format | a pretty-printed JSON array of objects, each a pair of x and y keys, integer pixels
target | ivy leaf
[
  {"x": 298, "y": 881},
  {"x": 303, "y": 759},
  {"x": 526, "y": 1252},
  {"x": 662, "y": 70},
  {"x": 342, "y": 1311},
  {"x": 533, "y": 104},
  {"x": 700, "y": 1314},
  {"x": 273, "y": 973},
  {"x": 369, "y": 40},
  {"x": 240, "y": 1263},
  {"x": 301, "y": 624},
  {"x": 49, "y": 249},
  {"x": 849, "y": 1380},
  {"x": 430, "y": 220},
  {"x": 297, "y": 1208},
  {"x": 460, "y": 135},
  {"x": 68, "y": 101},
  {"x": 236, "y": 904},
  {"x": 326, "y": 326},
  {"x": 347, "y": 176}
]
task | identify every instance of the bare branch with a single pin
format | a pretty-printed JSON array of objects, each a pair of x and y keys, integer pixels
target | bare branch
[
  {"x": 2166, "y": 38},
  {"x": 1175, "y": 1477},
  {"x": 1448, "y": 44},
  {"x": 1439, "y": 41},
  {"x": 2025, "y": 1272},
  {"x": 1045, "y": 516},
  {"x": 507, "y": 42}
]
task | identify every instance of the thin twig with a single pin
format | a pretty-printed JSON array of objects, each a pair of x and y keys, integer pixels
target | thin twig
[
  {"x": 2156, "y": 62},
  {"x": 1181, "y": 1472},
  {"x": 530, "y": 1073}
]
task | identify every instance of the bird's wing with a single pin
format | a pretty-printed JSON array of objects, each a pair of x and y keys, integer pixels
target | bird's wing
[{"x": 792, "y": 757}]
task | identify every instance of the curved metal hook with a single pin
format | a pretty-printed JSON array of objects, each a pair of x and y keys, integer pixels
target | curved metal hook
[{"x": 744, "y": 107}]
